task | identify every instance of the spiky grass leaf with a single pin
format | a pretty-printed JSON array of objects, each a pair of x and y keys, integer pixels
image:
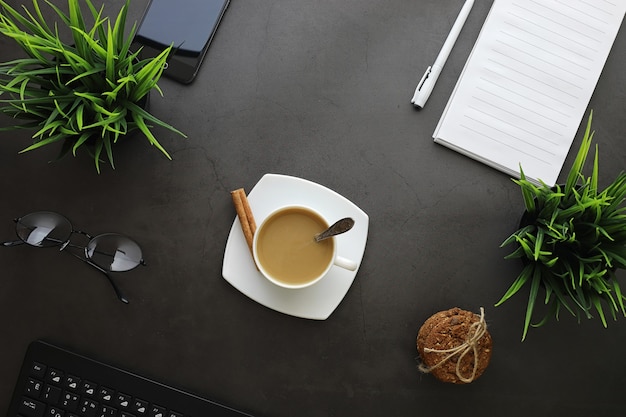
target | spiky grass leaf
[
  {"x": 529, "y": 191},
  {"x": 532, "y": 297},
  {"x": 110, "y": 56},
  {"x": 521, "y": 280},
  {"x": 577, "y": 166}
]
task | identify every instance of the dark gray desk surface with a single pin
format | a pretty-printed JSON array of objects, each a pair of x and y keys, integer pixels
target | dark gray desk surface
[{"x": 318, "y": 90}]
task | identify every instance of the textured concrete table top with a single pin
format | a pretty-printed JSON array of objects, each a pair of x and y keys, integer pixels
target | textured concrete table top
[{"x": 318, "y": 90}]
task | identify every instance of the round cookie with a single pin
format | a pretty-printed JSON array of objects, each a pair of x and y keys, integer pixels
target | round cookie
[
  {"x": 431, "y": 322},
  {"x": 449, "y": 329},
  {"x": 434, "y": 320}
]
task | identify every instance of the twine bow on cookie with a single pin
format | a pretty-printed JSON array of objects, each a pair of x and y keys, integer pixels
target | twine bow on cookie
[{"x": 476, "y": 331}]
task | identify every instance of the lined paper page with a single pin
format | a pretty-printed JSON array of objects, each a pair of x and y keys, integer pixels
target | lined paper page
[{"x": 527, "y": 83}]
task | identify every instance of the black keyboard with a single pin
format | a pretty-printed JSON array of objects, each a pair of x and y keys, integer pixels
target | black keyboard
[{"x": 55, "y": 382}]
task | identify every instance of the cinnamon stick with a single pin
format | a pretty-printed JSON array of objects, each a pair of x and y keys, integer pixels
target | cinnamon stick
[{"x": 244, "y": 212}]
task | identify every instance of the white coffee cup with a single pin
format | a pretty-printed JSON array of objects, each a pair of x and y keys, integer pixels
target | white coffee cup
[{"x": 286, "y": 253}]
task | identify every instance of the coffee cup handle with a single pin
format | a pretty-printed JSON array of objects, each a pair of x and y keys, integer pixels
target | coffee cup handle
[{"x": 345, "y": 263}]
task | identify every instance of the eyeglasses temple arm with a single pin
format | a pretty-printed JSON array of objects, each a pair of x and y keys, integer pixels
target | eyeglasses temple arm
[
  {"x": 13, "y": 243},
  {"x": 118, "y": 292},
  {"x": 21, "y": 242}
]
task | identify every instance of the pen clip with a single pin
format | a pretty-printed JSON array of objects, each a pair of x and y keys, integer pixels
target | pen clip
[
  {"x": 424, "y": 77},
  {"x": 420, "y": 85}
]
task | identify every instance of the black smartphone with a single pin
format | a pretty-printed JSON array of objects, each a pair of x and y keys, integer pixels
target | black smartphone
[{"x": 188, "y": 25}]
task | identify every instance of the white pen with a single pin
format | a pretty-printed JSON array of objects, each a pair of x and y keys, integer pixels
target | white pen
[{"x": 426, "y": 84}]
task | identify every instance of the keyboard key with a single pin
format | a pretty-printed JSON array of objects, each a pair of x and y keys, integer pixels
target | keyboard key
[
  {"x": 107, "y": 411},
  {"x": 31, "y": 408},
  {"x": 55, "y": 412},
  {"x": 33, "y": 387},
  {"x": 122, "y": 400},
  {"x": 54, "y": 376},
  {"x": 38, "y": 370},
  {"x": 72, "y": 382},
  {"x": 140, "y": 407},
  {"x": 156, "y": 411},
  {"x": 105, "y": 394},
  {"x": 88, "y": 408},
  {"x": 51, "y": 394},
  {"x": 174, "y": 414},
  {"x": 125, "y": 414},
  {"x": 69, "y": 401},
  {"x": 88, "y": 388}
]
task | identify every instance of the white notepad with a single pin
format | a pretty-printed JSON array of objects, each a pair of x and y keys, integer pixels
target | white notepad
[{"x": 526, "y": 85}]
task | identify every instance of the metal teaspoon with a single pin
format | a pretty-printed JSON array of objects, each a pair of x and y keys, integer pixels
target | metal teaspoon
[{"x": 341, "y": 226}]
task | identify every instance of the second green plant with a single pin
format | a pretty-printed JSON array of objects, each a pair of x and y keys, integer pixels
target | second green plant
[{"x": 572, "y": 240}]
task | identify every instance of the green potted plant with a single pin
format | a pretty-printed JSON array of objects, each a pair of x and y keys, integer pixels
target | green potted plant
[
  {"x": 89, "y": 92},
  {"x": 572, "y": 239}
]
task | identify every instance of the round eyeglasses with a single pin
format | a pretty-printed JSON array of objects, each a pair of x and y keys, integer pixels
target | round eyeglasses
[{"x": 108, "y": 252}]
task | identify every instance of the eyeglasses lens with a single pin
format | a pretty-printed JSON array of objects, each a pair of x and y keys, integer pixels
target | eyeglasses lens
[
  {"x": 43, "y": 229},
  {"x": 114, "y": 252}
]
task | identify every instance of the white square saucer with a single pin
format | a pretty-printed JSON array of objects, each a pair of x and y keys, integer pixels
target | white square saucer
[{"x": 321, "y": 299}]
